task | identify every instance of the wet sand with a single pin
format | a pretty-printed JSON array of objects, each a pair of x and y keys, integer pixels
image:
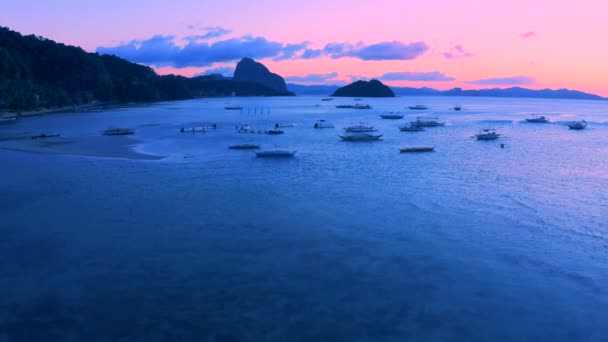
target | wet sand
[{"x": 101, "y": 146}]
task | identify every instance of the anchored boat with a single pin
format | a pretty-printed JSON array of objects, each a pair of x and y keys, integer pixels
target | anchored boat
[{"x": 414, "y": 149}]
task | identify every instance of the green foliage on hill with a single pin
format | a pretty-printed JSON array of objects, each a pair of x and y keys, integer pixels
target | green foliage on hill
[{"x": 36, "y": 72}]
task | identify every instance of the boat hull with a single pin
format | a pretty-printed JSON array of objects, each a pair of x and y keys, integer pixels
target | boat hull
[
  {"x": 416, "y": 149},
  {"x": 276, "y": 154}
]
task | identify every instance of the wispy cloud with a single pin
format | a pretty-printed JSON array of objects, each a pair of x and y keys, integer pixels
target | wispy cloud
[
  {"x": 209, "y": 32},
  {"x": 529, "y": 34},
  {"x": 513, "y": 80},
  {"x": 318, "y": 78},
  {"x": 164, "y": 50},
  {"x": 457, "y": 51},
  {"x": 393, "y": 50},
  {"x": 432, "y": 76}
]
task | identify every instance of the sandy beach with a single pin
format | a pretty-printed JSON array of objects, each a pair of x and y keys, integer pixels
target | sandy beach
[{"x": 101, "y": 146}]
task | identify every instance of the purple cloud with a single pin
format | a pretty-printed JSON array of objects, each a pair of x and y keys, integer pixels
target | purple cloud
[
  {"x": 457, "y": 51},
  {"x": 529, "y": 34},
  {"x": 393, "y": 50},
  {"x": 433, "y": 76},
  {"x": 290, "y": 51},
  {"x": 513, "y": 80},
  {"x": 318, "y": 78},
  {"x": 164, "y": 51},
  {"x": 209, "y": 32}
]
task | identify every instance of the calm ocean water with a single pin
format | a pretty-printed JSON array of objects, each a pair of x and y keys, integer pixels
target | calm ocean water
[{"x": 347, "y": 241}]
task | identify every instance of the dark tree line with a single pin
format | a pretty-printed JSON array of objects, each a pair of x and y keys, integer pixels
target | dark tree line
[{"x": 36, "y": 72}]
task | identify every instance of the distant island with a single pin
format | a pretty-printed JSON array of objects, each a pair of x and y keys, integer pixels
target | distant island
[
  {"x": 325, "y": 90},
  {"x": 373, "y": 88},
  {"x": 39, "y": 74}
]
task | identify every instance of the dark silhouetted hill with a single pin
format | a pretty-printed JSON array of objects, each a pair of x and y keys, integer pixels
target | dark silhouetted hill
[
  {"x": 373, "y": 88},
  {"x": 248, "y": 70},
  {"x": 36, "y": 73}
]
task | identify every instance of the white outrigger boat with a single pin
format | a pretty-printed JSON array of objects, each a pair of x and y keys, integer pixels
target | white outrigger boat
[
  {"x": 244, "y": 128},
  {"x": 391, "y": 116},
  {"x": 362, "y": 106},
  {"x": 487, "y": 134},
  {"x": 578, "y": 125},
  {"x": 275, "y": 154},
  {"x": 538, "y": 119},
  {"x": 360, "y": 128},
  {"x": 412, "y": 127},
  {"x": 323, "y": 124},
  {"x": 414, "y": 149},
  {"x": 428, "y": 122},
  {"x": 200, "y": 129},
  {"x": 360, "y": 137}
]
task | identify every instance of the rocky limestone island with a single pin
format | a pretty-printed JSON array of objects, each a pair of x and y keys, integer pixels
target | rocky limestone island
[
  {"x": 248, "y": 70},
  {"x": 373, "y": 88}
]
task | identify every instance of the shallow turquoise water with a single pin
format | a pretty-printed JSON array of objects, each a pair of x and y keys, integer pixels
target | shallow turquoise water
[{"x": 347, "y": 241}]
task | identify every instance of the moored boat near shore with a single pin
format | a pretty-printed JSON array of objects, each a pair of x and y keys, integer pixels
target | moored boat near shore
[
  {"x": 275, "y": 154},
  {"x": 418, "y": 107},
  {"x": 487, "y": 134},
  {"x": 538, "y": 119},
  {"x": 578, "y": 125},
  {"x": 391, "y": 116},
  {"x": 244, "y": 147},
  {"x": 118, "y": 131},
  {"x": 415, "y": 149},
  {"x": 44, "y": 135},
  {"x": 360, "y": 137}
]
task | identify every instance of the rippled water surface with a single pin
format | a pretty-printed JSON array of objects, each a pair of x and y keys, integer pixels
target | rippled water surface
[{"x": 346, "y": 241}]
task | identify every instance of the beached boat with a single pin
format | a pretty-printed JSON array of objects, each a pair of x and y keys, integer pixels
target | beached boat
[
  {"x": 8, "y": 119},
  {"x": 538, "y": 119},
  {"x": 118, "y": 131},
  {"x": 412, "y": 127},
  {"x": 358, "y": 99},
  {"x": 418, "y": 107},
  {"x": 244, "y": 147},
  {"x": 359, "y": 129},
  {"x": 275, "y": 154},
  {"x": 428, "y": 122},
  {"x": 323, "y": 124},
  {"x": 362, "y": 106},
  {"x": 233, "y": 107},
  {"x": 345, "y": 106},
  {"x": 391, "y": 116},
  {"x": 327, "y": 99},
  {"x": 414, "y": 149},
  {"x": 44, "y": 135},
  {"x": 200, "y": 129},
  {"x": 487, "y": 134},
  {"x": 578, "y": 125},
  {"x": 360, "y": 137},
  {"x": 457, "y": 108}
]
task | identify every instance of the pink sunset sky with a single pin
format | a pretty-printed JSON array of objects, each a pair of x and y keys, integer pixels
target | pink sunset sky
[{"x": 434, "y": 43}]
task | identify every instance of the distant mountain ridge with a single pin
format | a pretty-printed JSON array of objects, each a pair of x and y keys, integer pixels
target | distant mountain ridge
[{"x": 326, "y": 90}]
